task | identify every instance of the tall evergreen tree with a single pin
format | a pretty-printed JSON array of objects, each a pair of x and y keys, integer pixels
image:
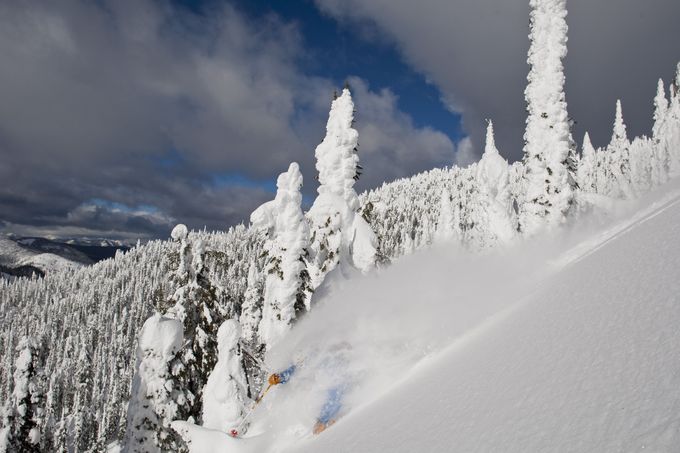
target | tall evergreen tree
[
  {"x": 587, "y": 169},
  {"x": 494, "y": 216},
  {"x": 287, "y": 289},
  {"x": 179, "y": 363},
  {"x": 549, "y": 148},
  {"x": 157, "y": 397},
  {"x": 24, "y": 413},
  {"x": 196, "y": 304},
  {"x": 618, "y": 153},
  {"x": 338, "y": 233},
  {"x": 225, "y": 395},
  {"x": 672, "y": 133},
  {"x": 661, "y": 164}
]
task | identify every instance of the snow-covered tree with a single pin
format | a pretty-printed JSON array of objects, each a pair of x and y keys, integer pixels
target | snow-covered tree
[
  {"x": 672, "y": 126},
  {"x": 195, "y": 303},
  {"x": 287, "y": 286},
  {"x": 180, "y": 364},
  {"x": 84, "y": 420},
  {"x": 587, "y": 168},
  {"x": 618, "y": 153},
  {"x": 548, "y": 150},
  {"x": 660, "y": 165},
  {"x": 338, "y": 233},
  {"x": 496, "y": 218},
  {"x": 23, "y": 416},
  {"x": 660, "y": 109},
  {"x": 225, "y": 394},
  {"x": 642, "y": 159},
  {"x": 155, "y": 397}
]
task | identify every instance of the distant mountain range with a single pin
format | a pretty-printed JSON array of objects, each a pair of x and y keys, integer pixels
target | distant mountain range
[{"x": 27, "y": 256}]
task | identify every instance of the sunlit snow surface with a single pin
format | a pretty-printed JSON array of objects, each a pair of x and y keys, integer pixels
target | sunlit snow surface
[{"x": 567, "y": 343}]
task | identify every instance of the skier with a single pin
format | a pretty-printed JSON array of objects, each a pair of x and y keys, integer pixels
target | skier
[{"x": 335, "y": 365}]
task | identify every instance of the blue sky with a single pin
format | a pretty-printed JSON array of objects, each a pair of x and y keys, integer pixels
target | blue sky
[{"x": 336, "y": 50}]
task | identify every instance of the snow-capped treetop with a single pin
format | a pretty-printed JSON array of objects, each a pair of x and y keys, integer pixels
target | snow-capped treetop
[
  {"x": 619, "y": 134},
  {"x": 336, "y": 155},
  {"x": 180, "y": 232},
  {"x": 289, "y": 200},
  {"x": 587, "y": 168},
  {"x": 490, "y": 145},
  {"x": 227, "y": 337},
  {"x": 660, "y": 108},
  {"x": 161, "y": 335},
  {"x": 290, "y": 182},
  {"x": 284, "y": 212},
  {"x": 492, "y": 169},
  {"x": 263, "y": 216},
  {"x": 288, "y": 194},
  {"x": 588, "y": 149}
]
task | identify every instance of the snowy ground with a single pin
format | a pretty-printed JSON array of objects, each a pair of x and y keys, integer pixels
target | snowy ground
[{"x": 565, "y": 344}]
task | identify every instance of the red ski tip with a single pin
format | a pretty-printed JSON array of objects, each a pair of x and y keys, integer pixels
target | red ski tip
[{"x": 233, "y": 433}]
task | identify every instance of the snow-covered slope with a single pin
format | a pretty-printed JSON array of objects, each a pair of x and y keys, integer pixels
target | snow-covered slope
[
  {"x": 568, "y": 343},
  {"x": 15, "y": 257}
]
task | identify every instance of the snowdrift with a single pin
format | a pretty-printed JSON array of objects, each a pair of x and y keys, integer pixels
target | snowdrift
[{"x": 567, "y": 343}]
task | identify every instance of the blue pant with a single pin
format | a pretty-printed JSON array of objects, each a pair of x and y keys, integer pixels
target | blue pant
[{"x": 332, "y": 405}]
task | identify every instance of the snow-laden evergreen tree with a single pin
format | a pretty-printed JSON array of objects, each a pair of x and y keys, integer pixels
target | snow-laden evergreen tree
[
  {"x": 156, "y": 398},
  {"x": 496, "y": 216},
  {"x": 642, "y": 159},
  {"x": 549, "y": 148},
  {"x": 84, "y": 420},
  {"x": 195, "y": 303},
  {"x": 338, "y": 233},
  {"x": 618, "y": 153},
  {"x": 182, "y": 370},
  {"x": 287, "y": 286},
  {"x": 23, "y": 417},
  {"x": 468, "y": 209},
  {"x": 660, "y": 108},
  {"x": 660, "y": 165},
  {"x": 587, "y": 168},
  {"x": 225, "y": 393},
  {"x": 672, "y": 126}
]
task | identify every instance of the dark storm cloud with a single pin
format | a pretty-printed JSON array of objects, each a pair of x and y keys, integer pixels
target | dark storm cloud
[
  {"x": 475, "y": 52},
  {"x": 140, "y": 105}
]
